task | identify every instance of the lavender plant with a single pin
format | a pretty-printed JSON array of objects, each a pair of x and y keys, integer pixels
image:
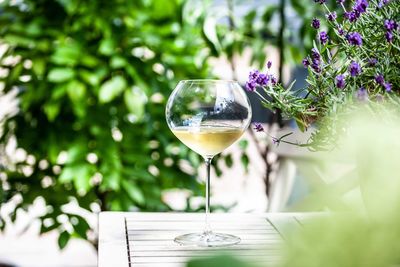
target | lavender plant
[{"x": 357, "y": 62}]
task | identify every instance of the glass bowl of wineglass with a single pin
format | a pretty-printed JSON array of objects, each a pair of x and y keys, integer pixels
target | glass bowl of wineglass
[{"x": 208, "y": 116}]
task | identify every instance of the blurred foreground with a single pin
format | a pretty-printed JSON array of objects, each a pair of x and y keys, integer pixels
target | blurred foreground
[{"x": 362, "y": 223}]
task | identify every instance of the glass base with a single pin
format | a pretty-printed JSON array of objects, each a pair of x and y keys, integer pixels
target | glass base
[{"x": 207, "y": 239}]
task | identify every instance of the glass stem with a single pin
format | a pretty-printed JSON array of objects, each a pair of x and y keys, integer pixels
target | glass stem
[{"x": 207, "y": 229}]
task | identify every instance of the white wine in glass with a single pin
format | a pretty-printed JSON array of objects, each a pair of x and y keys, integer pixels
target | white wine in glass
[
  {"x": 208, "y": 116},
  {"x": 208, "y": 141}
]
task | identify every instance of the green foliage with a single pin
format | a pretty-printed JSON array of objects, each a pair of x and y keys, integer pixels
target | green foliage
[
  {"x": 217, "y": 261},
  {"x": 323, "y": 100},
  {"x": 229, "y": 34},
  {"x": 93, "y": 78}
]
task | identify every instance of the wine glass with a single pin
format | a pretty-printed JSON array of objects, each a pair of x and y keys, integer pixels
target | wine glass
[{"x": 208, "y": 116}]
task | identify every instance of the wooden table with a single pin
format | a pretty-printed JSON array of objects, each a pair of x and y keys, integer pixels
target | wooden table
[{"x": 146, "y": 239}]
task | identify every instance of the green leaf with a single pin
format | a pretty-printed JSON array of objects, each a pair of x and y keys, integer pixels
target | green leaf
[
  {"x": 229, "y": 161},
  {"x": 39, "y": 66},
  {"x": 133, "y": 192},
  {"x": 243, "y": 144},
  {"x": 67, "y": 175},
  {"x": 76, "y": 90},
  {"x": 194, "y": 159},
  {"x": 15, "y": 73},
  {"x": 112, "y": 89},
  {"x": 107, "y": 47},
  {"x": 16, "y": 40},
  {"x": 300, "y": 124},
  {"x": 58, "y": 75},
  {"x": 89, "y": 61},
  {"x": 94, "y": 77},
  {"x": 63, "y": 239},
  {"x": 161, "y": 9},
  {"x": 79, "y": 174},
  {"x": 111, "y": 181},
  {"x": 77, "y": 151},
  {"x": 81, "y": 227},
  {"x": 51, "y": 109},
  {"x": 58, "y": 92},
  {"x": 245, "y": 161},
  {"x": 117, "y": 62},
  {"x": 269, "y": 13},
  {"x": 82, "y": 175},
  {"x": 135, "y": 101},
  {"x": 69, "y": 5},
  {"x": 67, "y": 54}
]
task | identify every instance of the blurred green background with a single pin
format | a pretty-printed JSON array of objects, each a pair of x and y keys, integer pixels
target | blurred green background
[{"x": 92, "y": 78}]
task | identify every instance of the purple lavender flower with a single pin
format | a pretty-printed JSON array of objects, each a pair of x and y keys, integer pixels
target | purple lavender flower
[
  {"x": 331, "y": 16},
  {"x": 352, "y": 16},
  {"x": 251, "y": 86},
  {"x": 389, "y": 36},
  {"x": 355, "y": 69},
  {"x": 390, "y": 25},
  {"x": 383, "y": 3},
  {"x": 253, "y": 75},
  {"x": 340, "y": 81},
  {"x": 362, "y": 94},
  {"x": 354, "y": 38},
  {"x": 316, "y": 67},
  {"x": 258, "y": 127},
  {"x": 372, "y": 62},
  {"x": 269, "y": 64},
  {"x": 316, "y": 60},
  {"x": 380, "y": 79},
  {"x": 276, "y": 141},
  {"x": 315, "y": 23},
  {"x": 323, "y": 37},
  {"x": 341, "y": 31},
  {"x": 361, "y": 6},
  {"x": 274, "y": 81},
  {"x": 256, "y": 79},
  {"x": 306, "y": 63},
  {"x": 262, "y": 79},
  {"x": 315, "y": 56},
  {"x": 388, "y": 87}
]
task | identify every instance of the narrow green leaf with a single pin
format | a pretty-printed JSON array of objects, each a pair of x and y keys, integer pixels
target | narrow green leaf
[
  {"x": 245, "y": 161},
  {"x": 63, "y": 239}
]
